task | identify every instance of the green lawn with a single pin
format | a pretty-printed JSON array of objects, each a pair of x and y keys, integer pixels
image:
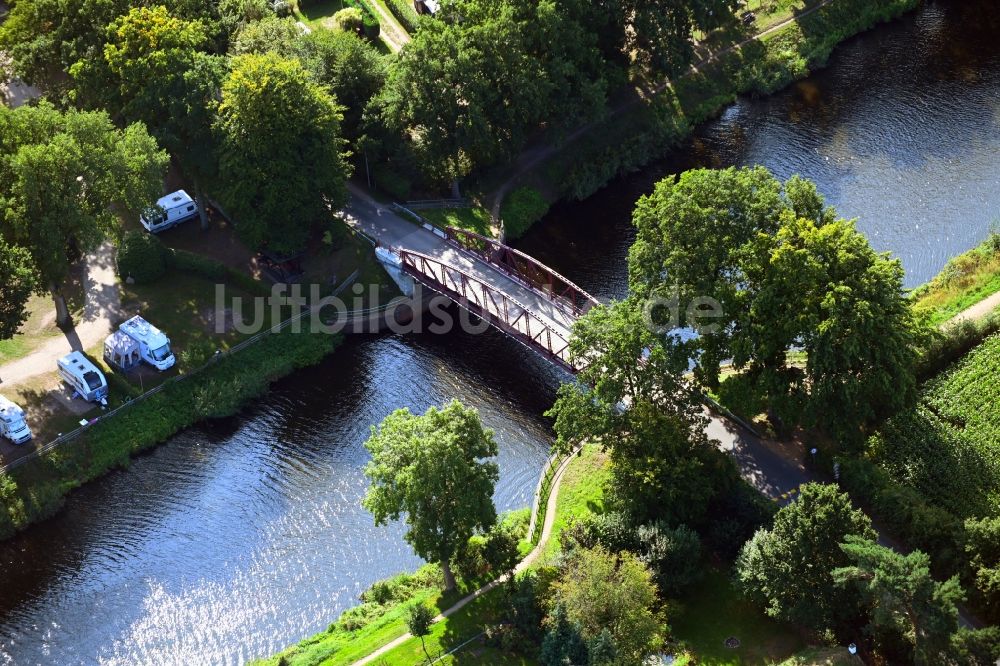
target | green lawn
[
  {"x": 314, "y": 13},
  {"x": 964, "y": 281},
  {"x": 714, "y": 611},
  {"x": 581, "y": 492},
  {"x": 472, "y": 218}
]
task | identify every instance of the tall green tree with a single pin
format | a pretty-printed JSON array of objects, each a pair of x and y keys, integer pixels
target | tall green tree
[
  {"x": 162, "y": 75},
  {"x": 788, "y": 568},
  {"x": 61, "y": 175},
  {"x": 903, "y": 598},
  {"x": 631, "y": 397},
  {"x": 281, "y": 152},
  {"x": 615, "y": 592},
  {"x": 17, "y": 275},
  {"x": 787, "y": 273},
  {"x": 982, "y": 545},
  {"x": 432, "y": 468}
]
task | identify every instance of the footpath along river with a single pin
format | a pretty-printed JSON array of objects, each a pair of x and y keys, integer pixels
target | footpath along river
[{"x": 245, "y": 535}]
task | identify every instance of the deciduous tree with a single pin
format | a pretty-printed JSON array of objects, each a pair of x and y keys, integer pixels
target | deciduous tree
[
  {"x": 61, "y": 174},
  {"x": 614, "y": 592},
  {"x": 281, "y": 152},
  {"x": 17, "y": 275},
  {"x": 431, "y": 467},
  {"x": 788, "y": 568}
]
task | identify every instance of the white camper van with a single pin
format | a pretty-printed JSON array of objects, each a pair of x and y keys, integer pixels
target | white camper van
[
  {"x": 173, "y": 209},
  {"x": 12, "y": 424},
  {"x": 154, "y": 346},
  {"x": 84, "y": 377}
]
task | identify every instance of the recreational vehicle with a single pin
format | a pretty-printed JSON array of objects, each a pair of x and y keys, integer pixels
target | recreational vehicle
[
  {"x": 170, "y": 211},
  {"x": 154, "y": 346},
  {"x": 12, "y": 423},
  {"x": 84, "y": 377}
]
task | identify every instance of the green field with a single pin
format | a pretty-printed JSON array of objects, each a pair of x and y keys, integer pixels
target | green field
[{"x": 948, "y": 447}]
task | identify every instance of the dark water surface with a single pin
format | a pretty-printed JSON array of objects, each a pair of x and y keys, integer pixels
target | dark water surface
[
  {"x": 901, "y": 130},
  {"x": 243, "y": 536}
]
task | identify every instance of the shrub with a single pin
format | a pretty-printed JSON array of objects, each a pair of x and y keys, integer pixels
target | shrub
[
  {"x": 405, "y": 13},
  {"x": 349, "y": 19},
  {"x": 673, "y": 555},
  {"x": 141, "y": 256},
  {"x": 369, "y": 19},
  {"x": 522, "y": 208}
]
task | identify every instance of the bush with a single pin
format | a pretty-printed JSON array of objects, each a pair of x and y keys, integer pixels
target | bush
[
  {"x": 405, "y": 13},
  {"x": 142, "y": 257},
  {"x": 942, "y": 348},
  {"x": 349, "y": 19},
  {"x": 673, "y": 555},
  {"x": 521, "y": 209},
  {"x": 370, "y": 26}
]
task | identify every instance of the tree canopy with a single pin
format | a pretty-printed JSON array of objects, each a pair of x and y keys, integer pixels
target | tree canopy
[
  {"x": 281, "y": 154},
  {"x": 608, "y": 592},
  {"x": 432, "y": 468},
  {"x": 904, "y": 600},
  {"x": 61, "y": 174},
  {"x": 788, "y": 569},
  {"x": 788, "y": 275}
]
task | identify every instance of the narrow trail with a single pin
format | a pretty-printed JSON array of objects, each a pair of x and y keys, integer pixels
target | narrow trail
[
  {"x": 533, "y": 157},
  {"x": 101, "y": 309},
  {"x": 394, "y": 34},
  {"x": 976, "y": 310},
  {"x": 529, "y": 559}
]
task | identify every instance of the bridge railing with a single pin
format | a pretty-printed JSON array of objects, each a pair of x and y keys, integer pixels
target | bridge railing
[
  {"x": 490, "y": 304},
  {"x": 526, "y": 269}
]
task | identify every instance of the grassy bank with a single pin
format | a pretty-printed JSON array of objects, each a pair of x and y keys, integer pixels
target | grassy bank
[
  {"x": 36, "y": 490},
  {"x": 644, "y": 132},
  {"x": 964, "y": 281}
]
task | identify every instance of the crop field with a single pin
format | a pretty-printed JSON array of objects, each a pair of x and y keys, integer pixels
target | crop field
[{"x": 948, "y": 447}]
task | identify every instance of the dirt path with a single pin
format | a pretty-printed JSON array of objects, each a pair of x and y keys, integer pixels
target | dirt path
[
  {"x": 100, "y": 311},
  {"x": 533, "y": 157},
  {"x": 393, "y": 33},
  {"x": 529, "y": 559},
  {"x": 976, "y": 311}
]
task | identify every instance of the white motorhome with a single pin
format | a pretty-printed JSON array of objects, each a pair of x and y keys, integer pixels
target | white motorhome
[
  {"x": 170, "y": 211},
  {"x": 12, "y": 423},
  {"x": 84, "y": 377},
  {"x": 154, "y": 346}
]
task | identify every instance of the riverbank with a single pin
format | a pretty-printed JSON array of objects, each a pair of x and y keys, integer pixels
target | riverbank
[
  {"x": 36, "y": 490},
  {"x": 966, "y": 280},
  {"x": 659, "y": 118}
]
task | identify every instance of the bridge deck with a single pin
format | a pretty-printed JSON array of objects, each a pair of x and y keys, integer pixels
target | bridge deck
[{"x": 381, "y": 223}]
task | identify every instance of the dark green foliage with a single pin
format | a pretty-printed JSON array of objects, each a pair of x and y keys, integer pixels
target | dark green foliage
[
  {"x": 907, "y": 607},
  {"x": 603, "y": 651},
  {"x": 781, "y": 272},
  {"x": 19, "y": 280},
  {"x": 405, "y": 13},
  {"x": 672, "y": 554},
  {"x": 905, "y": 513},
  {"x": 563, "y": 643},
  {"x": 976, "y": 647},
  {"x": 141, "y": 256},
  {"x": 522, "y": 208},
  {"x": 982, "y": 547},
  {"x": 787, "y": 569},
  {"x": 370, "y": 25}
]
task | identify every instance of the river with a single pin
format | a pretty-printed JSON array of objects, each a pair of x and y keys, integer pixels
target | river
[{"x": 245, "y": 535}]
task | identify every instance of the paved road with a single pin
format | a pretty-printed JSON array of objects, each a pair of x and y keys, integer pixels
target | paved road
[
  {"x": 101, "y": 309},
  {"x": 378, "y": 221}
]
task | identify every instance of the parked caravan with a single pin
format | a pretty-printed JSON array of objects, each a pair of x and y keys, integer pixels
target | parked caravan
[
  {"x": 154, "y": 346},
  {"x": 84, "y": 377},
  {"x": 121, "y": 351},
  {"x": 12, "y": 423},
  {"x": 172, "y": 209}
]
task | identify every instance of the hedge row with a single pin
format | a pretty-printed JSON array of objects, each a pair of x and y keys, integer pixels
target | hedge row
[
  {"x": 405, "y": 13},
  {"x": 36, "y": 490}
]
